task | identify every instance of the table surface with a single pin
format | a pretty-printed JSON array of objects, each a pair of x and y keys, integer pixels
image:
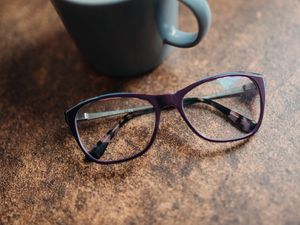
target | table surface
[{"x": 44, "y": 179}]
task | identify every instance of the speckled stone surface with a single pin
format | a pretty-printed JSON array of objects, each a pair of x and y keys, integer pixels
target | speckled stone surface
[{"x": 182, "y": 179}]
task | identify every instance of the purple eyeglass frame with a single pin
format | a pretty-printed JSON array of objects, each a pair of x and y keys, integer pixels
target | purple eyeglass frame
[{"x": 160, "y": 102}]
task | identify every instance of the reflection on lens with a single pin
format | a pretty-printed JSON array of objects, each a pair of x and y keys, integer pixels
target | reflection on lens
[
  {"x": 225, "y": 108},
  {"x": 115, "y": 128}
]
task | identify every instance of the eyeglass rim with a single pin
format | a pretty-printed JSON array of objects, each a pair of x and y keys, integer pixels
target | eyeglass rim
[
  {"x": 74, "y": 128},
  {"x": 254, "y": 77},
  {"x": 70, "y": 114}
]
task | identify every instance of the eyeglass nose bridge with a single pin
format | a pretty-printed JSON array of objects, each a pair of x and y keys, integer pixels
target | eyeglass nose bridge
[{"x": 167, "y": 100}]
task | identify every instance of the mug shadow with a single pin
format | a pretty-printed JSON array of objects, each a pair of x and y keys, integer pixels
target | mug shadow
[
  {"x": 41, "y": 81},
  {"x": 53, "y": 72}
]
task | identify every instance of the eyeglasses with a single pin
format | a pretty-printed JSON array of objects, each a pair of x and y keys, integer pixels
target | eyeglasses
[{"x": 118, "y": 127}]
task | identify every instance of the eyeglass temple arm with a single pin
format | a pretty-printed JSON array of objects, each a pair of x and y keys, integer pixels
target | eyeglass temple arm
[
  {"x": 229, "y": 93},
  {"x": 99, "y": 149},
  {"x": 238, "y": 120},
  {"x": 96, "y": 115},
  {"x": 249, "y": 89},
  {"x": 241, "y": 122}
]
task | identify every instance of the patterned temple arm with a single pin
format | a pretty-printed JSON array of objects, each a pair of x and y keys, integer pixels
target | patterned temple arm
[
  {"x": 248, "y": 91},
  {"x": 239, "y": 121},
  {"x": 99, "y": 149}
]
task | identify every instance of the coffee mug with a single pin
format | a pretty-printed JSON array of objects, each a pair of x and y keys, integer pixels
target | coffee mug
[{"x": 129, "y": 37}]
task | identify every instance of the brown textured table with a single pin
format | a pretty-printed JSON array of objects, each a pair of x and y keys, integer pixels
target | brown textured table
[{"x": 43, "y": 178}]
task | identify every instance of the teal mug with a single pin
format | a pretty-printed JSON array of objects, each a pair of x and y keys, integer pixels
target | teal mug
[{"x": 129, "y": 37}]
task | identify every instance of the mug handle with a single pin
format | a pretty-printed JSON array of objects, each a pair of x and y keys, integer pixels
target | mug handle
[{"x": 177, "y": 38}]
